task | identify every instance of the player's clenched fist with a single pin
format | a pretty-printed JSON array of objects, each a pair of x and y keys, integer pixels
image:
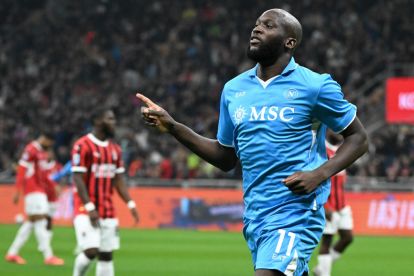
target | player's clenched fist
[{"x": 155, "y": 116}]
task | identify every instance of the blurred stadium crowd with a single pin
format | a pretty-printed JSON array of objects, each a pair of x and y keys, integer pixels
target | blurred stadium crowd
[{"x": 61, "y": 58}]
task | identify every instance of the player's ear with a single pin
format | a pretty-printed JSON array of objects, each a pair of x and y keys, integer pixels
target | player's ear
[{"x": 290, "y": 43}]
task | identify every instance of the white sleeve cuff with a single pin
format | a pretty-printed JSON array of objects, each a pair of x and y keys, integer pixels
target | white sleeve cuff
[
  {"x": 24, "y": 163},
  {"x": 120, "y": 170},
  {"x": 79, "y": 169}
]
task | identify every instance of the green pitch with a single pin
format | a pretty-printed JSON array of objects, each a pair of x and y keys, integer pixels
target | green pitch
[{"x": 189, "y": 253}]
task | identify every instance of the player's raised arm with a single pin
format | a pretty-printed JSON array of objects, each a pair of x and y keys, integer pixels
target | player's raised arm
[{"x": 208, "y": 149}]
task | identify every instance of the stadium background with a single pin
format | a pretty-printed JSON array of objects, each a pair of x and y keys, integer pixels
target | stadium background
[{"x": 59, "y": 59}]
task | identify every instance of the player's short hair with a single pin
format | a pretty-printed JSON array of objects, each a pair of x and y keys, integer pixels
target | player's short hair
[
  {"x": 99, "y": 112},
  {"x": 47, "y": 132}
]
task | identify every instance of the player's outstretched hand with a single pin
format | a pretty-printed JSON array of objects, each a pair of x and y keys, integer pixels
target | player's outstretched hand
[
  {"x": 303, "y": 182},
  {"x": 135, "y": 215},
  {"x": 16, "y": 198},
  {"x": 328, "y": 214},
  {"x": 155, "y": 116},
  {"x": 94, "y": 217}
]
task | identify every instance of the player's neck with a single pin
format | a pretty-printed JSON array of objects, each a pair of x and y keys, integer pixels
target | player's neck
[{"x": 265, "y": 72}]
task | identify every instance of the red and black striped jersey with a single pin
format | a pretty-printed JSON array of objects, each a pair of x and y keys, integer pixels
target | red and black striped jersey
[
  {"x": 99, "y": 162},
  {"x": 32, "y": 170},
  {"x": 336, "y": 200}
]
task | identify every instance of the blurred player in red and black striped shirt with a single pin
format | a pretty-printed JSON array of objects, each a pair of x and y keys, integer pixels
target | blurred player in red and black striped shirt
[
  {"x": 31, "y": 181},
  {"x": 338, "y": 216},
  {"x": 97, "y": 169}
]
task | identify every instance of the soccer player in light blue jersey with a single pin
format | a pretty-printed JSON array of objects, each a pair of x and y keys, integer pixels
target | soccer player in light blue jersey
[{"x": 273, "y": 118}]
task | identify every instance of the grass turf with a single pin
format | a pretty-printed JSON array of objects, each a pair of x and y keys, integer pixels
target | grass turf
[{"x": 186, "y": 252}]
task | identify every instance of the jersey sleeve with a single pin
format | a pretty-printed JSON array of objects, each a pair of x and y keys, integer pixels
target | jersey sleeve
[
  {"x": 331, "y": 108},
  {"x": 25, "y": 167},
  {"x": 28, "y": 158},
  {"x": 225, "y": 124},
  {"x": 80, "y": 158}
]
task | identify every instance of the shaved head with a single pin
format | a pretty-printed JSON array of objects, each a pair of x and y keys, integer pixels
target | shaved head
[
  {"x": 276, "y": 34},
  {"x": 289, "y": 22}
]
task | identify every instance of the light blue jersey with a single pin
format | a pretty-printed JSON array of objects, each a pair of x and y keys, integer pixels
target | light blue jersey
[{"x": 278, "y": 128}]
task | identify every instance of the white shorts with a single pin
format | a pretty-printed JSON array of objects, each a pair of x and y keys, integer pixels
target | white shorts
[
  {"x": 36, "y": 204},
  {"x": 52, "y": 208},
  {"x": 105, "y": 237},
  {"x": 341, "y": 220}
]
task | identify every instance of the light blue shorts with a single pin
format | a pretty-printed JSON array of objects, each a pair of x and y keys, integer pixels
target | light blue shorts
[{"x": 285, "y": 241}]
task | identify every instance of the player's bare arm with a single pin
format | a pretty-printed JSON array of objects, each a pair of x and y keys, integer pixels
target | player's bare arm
[
  {"x": 328, "y": 214},
  {"x": 209, "y": 149},
  {"x": 355, "y": 145},
  {"x": 84, "y": 196},
  {"x": 122, "y": 190},
  {"x": 21, "y": 171},
  {"x": 16, "y": 197}
]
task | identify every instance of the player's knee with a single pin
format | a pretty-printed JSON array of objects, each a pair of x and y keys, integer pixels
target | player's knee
[
  {"x": 105, "y": 256},
  {"x": 34, "y": 218},
  {"x": 327, "y": 240},
  {"x": 348, "y": 239},
  {"x": 91, "y": 253}
]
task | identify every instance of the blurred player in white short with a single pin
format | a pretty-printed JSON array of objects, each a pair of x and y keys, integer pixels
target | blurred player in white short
[{"x": 338, "y": 218}]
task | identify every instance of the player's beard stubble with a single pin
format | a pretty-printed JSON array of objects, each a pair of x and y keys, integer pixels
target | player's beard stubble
[
  {"x": 108, "y": 131},
  {"x": 267, "y": 52}
]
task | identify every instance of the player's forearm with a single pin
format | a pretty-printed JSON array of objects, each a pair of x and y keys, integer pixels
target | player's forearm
[
  {"x": 123, "y": 193},
  {"x": 81, "y": 188},
  {"x": 354, "y": 146},
  {"x": 122, "y": 189},
  {"x": 208, "y": 149}
]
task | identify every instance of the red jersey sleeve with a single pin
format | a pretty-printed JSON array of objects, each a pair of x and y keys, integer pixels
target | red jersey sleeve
[
  {"x": 25, "y": 167},
  {"x": 80, "y": 157},
  {"x": 28, "y": 158}
]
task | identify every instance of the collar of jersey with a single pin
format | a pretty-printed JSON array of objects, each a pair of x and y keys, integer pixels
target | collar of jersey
[
  {"x": 97, "y": 141},
  {"x": 292, "y": 65}
]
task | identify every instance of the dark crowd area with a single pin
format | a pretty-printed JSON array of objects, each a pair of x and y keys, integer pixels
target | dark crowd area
[{"x": 59, "y": 59}]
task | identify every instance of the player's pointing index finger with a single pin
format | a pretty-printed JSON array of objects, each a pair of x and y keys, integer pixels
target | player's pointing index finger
[{"x": 146, "y": 100}]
